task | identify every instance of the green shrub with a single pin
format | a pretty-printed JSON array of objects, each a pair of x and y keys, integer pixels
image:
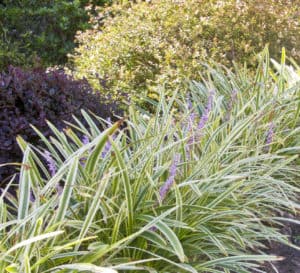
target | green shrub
[
  {"x": 10, "y": 52},
  {"x": 149, "y": 199},
  {"x": 143, "y": 44},
  {"x": 40, "y": 28}
]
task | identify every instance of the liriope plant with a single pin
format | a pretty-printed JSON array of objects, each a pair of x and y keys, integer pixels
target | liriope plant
[{"x": 197, "y": 186}]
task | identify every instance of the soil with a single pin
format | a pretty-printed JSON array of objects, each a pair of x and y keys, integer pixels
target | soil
[{"x": 291, "y": 256}]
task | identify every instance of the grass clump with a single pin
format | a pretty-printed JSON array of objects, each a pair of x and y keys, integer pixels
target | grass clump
[{"x": 190, "y": 188}]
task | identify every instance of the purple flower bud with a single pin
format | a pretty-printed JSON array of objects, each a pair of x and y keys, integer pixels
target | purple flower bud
[
  {"x": 189, "y": 103},
  {"x": 50, "y": 162},
  {"x": 59, "y": 189},
  {"x": 85, "y": 140},
  {"x": 269, "y": 137},
  {"x": 106, "y": 149},
  {"x": 31, "y": 197},
  {"x": 169, "y": 182},
  {"x": 153, "y": 228}
]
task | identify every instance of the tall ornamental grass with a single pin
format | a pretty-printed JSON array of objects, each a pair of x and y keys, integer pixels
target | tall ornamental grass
[{"x": 198, "y": 186}]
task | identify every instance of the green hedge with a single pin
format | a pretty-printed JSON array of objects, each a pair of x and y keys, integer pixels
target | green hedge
[
  {"x": 147, "y": 43},
  {"x": 40, "y": 28}
]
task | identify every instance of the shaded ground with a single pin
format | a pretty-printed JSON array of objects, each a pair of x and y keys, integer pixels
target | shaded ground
[{"x": 291, "y": 261}]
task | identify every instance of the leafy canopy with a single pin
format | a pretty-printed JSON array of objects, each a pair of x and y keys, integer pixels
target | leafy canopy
[{"x": 165, "y": 42}]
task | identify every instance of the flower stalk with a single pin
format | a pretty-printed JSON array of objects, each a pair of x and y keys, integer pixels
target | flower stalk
[
  {"x": 269, "y": 137},
  {"x": 169, "y": 182}
]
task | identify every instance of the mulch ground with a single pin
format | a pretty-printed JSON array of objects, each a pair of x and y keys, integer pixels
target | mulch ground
[{"x": 291, "y": 256}]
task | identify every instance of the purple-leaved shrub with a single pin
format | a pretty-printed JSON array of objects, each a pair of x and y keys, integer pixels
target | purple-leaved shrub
[{"x": 32, "y": 97}]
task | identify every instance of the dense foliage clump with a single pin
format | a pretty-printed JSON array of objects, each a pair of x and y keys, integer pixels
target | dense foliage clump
[
  {"x": 45, "y": 29},
  {"x": 36, "y": 96},
  {"x": 191, "y": 188},
  {"x": 153, "y": 42}
]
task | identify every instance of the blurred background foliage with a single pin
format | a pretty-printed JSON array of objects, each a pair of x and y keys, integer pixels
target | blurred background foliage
[
  {"x": 41, "y": 31},
  {"x": 142, "y": 44}
]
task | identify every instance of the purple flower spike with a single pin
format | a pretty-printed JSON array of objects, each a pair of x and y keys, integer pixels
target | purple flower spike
[
  {"x": 85, "y": 140},
  {"x": 52, "y": 169},
  {"x": 169, "y": 182},
  {"x": 269, "y": 138},
  {"x": 233, "y": 99},
  {"x": 50, "y": 163},
  {"x": 191, "y": 121},
  {"x": 190, "y": 124},
  {"x": 192, "y": 115},
  {"x": 203, "y": 119},
  {"x": 189, "y": 103},
  {"x": 207, "y": 111},
  {"x": 109, "y": 121},
  {"x": 107, "y": 147}
]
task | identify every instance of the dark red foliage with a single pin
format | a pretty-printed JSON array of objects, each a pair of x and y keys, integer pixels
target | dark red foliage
[{"x": 32, "y": 97}]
